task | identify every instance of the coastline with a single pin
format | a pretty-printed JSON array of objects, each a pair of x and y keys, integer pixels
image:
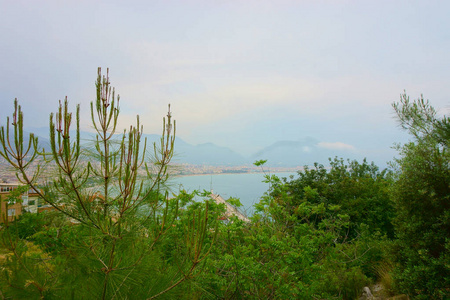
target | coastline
[
  {"x": 199, "y": 170},
  {"x": 229, "y": 173}
]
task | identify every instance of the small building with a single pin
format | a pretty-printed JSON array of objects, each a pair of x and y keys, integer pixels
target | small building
[{"x": 12, "y": 211}]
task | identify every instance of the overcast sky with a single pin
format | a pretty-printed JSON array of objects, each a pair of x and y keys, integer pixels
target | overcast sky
[{"x": 241, "y": 74}]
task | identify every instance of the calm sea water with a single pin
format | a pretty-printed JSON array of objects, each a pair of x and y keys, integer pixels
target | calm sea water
[{"x": 248, "y": 187}]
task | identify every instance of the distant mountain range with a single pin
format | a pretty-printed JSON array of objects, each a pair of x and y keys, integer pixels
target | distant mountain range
[
  {"x": 202, "y": 154},
  {"x": 279, "y": 154}
]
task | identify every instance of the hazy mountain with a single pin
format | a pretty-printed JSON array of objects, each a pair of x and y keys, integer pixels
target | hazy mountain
[
  {"x": 279, "y": 154},
  {"x": 202, "y": 154}
]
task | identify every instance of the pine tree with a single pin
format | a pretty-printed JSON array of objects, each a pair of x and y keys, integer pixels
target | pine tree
[
  {"x": 109, "y": 205},
  {"x": 422, "y": 200}
]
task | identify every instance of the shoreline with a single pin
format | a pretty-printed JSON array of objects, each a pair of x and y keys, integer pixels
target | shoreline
[{"x": 231, "y": 173}]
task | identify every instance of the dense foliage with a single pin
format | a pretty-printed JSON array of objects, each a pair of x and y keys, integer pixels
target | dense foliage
[
  {"x": 302, "y": 245},
  {"x": 324, "y": 234},
  {"x": 361, "y": 191}
]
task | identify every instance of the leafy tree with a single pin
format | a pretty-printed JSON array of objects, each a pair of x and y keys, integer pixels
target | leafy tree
[
  {"x": 422, "y": 201},
  {"x": 116, "y": 211},
  {"x": 360, "y": 190}
]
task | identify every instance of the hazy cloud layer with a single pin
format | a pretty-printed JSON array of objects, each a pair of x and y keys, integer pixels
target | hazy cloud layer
[
  {"x": 242, "y": 74},
  {"x": 336, "y": 146}
]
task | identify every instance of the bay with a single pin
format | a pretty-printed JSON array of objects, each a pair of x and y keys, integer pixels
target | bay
[{"x": 248, "y": 187}]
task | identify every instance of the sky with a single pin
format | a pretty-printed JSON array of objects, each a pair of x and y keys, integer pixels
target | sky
[{"x": 240, "y": 74}]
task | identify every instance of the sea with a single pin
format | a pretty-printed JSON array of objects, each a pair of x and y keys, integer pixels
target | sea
[{"x": 248, "y": 187}]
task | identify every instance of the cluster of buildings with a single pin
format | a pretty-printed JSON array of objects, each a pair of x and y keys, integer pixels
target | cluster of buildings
[{"x": 188, "y": 169}]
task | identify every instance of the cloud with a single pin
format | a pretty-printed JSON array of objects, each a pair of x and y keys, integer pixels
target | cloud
[{"x": 336, "y": 146}]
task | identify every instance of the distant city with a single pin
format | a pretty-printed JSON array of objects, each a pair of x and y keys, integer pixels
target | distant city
[
  {"x": 188, "y": 169},
  {"x": 7, "y": 175}
]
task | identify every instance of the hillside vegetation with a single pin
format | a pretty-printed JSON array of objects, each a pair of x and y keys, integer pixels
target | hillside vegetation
[{"x": 114, "y": 233}]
